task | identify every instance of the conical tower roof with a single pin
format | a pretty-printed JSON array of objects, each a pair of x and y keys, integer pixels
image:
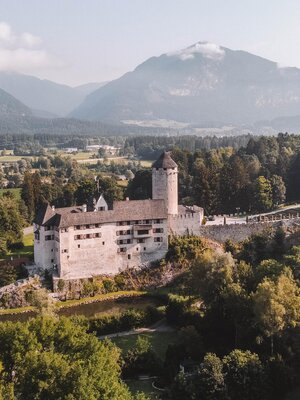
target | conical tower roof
[{"x": 164, "y": 161}]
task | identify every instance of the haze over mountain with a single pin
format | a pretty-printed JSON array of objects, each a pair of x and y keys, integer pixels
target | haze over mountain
[
  {"x": 46, "y": 98},
  {"x": 90, "y": 87},
  {"x": 204, "y": 84},
  {"x": 11, "y": 107}
]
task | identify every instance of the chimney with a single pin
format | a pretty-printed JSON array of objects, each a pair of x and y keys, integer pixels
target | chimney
[
  {"x": 84, "y": 208},
  {"x": 53, "y": 208}
]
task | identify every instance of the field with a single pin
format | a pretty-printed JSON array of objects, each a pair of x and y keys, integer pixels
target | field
[
  {"x": 26, "y": 251},
  {"x": 16, "y": 192},
  {"x": 158, "y": 340},
  {"x": 12, "y": 158}
]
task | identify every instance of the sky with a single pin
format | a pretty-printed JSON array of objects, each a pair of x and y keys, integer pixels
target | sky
[{"x": 79, "y": 41}]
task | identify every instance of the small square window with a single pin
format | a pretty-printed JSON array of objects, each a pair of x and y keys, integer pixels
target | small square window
[
  {"x": 78, "y": 246},
  {"x": 129, "y": 256},
  {"x": 52, "y": 260},
  {"x": 144, "y": 248},
  {"x": 103, "y": 243}
]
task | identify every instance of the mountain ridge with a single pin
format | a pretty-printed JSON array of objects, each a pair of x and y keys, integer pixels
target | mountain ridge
[
  {"x": 44, "y": 95},
  {"x": 203, "y": 83}
]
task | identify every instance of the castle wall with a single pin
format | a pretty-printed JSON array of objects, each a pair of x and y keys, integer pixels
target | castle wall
[
  {"x": 240, "y": 232},
  {"x": 165, "y": 187},
  {"x": 89, "y": 256},
  {"x": 187, "y": 223}
]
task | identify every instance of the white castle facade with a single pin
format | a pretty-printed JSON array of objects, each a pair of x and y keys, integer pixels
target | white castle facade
[{"x": 77, "y": 243}]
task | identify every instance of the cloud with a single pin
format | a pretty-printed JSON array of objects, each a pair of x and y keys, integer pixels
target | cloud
[
  {"x": 207, "y": 49},
  {"x": 22, "y": 52}
]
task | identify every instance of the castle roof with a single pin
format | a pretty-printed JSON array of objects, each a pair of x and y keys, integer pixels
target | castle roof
[
  {"x": 164, "y": 161},
  {"x": 122, "y": 211}
]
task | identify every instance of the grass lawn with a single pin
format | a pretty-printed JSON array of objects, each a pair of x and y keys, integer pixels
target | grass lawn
[
  {"x": 12, "y": 158},
  {"x": 122, "y": 183},
  {"x": 146, "y": 163},
  {"x": 144, "y": 387},
  {"x": 15, "y": 191},
  {"x": 158, "y": 340},
  {"x": 81, "y": 155},
  {"x": 26, "y": 251}
]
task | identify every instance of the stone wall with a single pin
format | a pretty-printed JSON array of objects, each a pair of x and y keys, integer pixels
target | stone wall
[
  {"x": 184, "y": 224},
  {"x": 240, "y": 232}
]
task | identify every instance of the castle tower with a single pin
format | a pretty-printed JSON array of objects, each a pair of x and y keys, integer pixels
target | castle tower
[{"x": 165, "y": 182}]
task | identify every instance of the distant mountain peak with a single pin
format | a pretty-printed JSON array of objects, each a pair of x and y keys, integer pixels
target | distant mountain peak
[
  {"x": 202, "y": 84},
  {"x": 208, "y": 50}
]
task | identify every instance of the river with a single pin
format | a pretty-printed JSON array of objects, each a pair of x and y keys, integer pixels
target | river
[{"x": 91, "y": 309}]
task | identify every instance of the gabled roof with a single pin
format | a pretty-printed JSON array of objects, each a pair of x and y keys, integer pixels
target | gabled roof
[
  {"x": 44, "y": 213},
  {"x": 122, "y": 211},
  {"x": 164, "y": 161}
]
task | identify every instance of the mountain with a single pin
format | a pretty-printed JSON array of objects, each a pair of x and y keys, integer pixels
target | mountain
[
  {"x": 90, "y": 87},
  {"x": 203, "y": 85},
  {"x": 47, "y": 97},
  {"x": 11, "y": 107}
]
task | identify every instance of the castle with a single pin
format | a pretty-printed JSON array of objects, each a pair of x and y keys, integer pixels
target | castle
[{"x": 77, "y": 243}]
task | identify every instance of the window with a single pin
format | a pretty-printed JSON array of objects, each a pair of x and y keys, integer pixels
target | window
[
  {"x": 49, "y": 237},
  {"x": 88, "y": 236},
  {"x": 78, "y": 246},
  {"x": 88, "y": 227},
  {"x": 158, "y": 230},
  {"x": 103, "y": 243},
  {"x": 143, "y": 232},
  {"x": 37, "y": 236},
  {"x": 145, "y": 249},
  {"x": 64, "y": 230},
  {"x": 77, "y": 237},
  {"x": 129, "y": 256},
  {"x": 158, "y": 239},
  {"x": 122, "y": 249},
  {"x": 52, "y": 260},
  {"x": 141, "y": 240},
  {"x": 64, "y": 251},
  {"x": 48, "y": 228},
  {"x": 127, "y": 232},
  {"x": 98, "y": 235},
  {"x": 101, "y": 208},
  {"x": 158, "y": 221},
  {"x": 97, "y": 225},
  {"x": 77, "y": 227}
]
